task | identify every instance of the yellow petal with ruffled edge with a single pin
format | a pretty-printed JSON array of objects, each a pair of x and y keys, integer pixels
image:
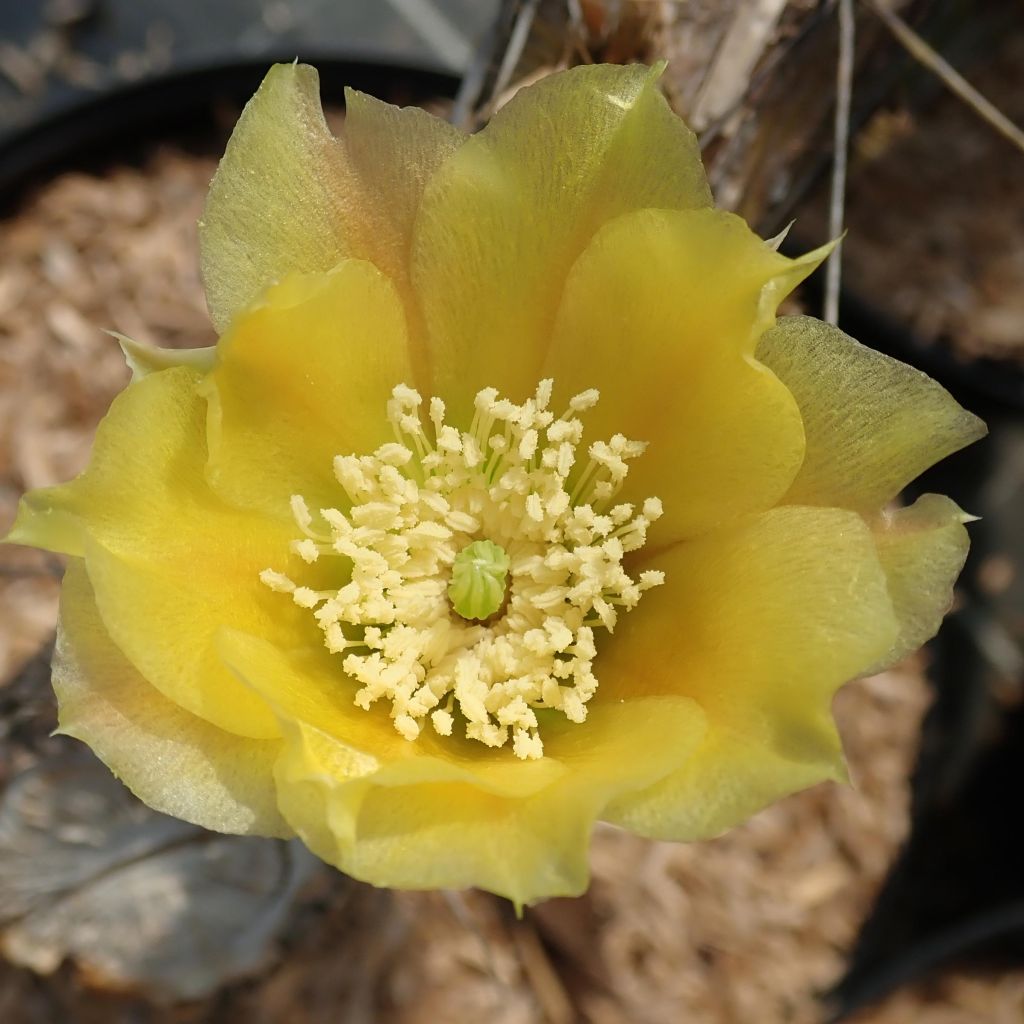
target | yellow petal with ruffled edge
[
  {"x": 922, "y": 550},
  {"x": 441, "y": 812},
  {"x": 456, "y": 834},
  {"x": 171, "y": 760},
  {"x": 506, "y": 216},
  {"x": 289, "y": 197},
  {"x": 661, "y": 314},
  {"x": 301, "y": 377},
  {"x": 759, "y": 623},
  {"x": 168, "y": 560},
  {"x": 872, "y": 423}
]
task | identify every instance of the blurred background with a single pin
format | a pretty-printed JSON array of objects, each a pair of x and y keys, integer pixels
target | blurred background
[{"x": 898, "y": 899}]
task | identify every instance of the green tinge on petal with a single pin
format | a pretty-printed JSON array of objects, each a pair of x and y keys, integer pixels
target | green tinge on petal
[
  {"x": 922, "y": 550},
  {"x": 143, "y": 359},
  {"x": 872, "y": 423},
  {"x": 46, "y": 520},
  {"x": 289, "y": 197},
  {"x": 397, "y": 150},
  {"x": 787, "y": 277},
  {"x": 170, "y": 759},
  {"x": 277, "y": 201}
]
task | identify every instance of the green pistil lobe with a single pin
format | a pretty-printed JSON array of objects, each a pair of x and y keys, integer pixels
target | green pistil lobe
[{"x": 477, "y": 589}]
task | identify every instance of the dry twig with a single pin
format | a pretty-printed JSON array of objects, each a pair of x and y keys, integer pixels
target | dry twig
[
  {"x": 951, "y": 78},
  {"x": 844, "y": 89}
]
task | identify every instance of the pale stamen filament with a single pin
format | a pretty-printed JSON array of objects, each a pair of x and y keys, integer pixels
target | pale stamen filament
[{"x": 537, "y": 567}]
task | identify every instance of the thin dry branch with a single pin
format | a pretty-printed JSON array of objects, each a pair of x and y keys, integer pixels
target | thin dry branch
[
  {"x": 951, "y": 78},
  {"x": 516, "y": 44},
  {"x": 837, "y": 202}
]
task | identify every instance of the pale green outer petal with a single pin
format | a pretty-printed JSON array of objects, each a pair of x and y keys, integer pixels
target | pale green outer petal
[
  {"x": 289, "y": 197},
  {"x": 274, "y": 205},
  {"x": 922, "y": 550},
  {"x": 872, "y": 424},
  {"x": 171, "y": 760},
  {"x": 507, "y": 214},
  {"x": 46, "y": 520},
  {"x": 143, "y": 359}
]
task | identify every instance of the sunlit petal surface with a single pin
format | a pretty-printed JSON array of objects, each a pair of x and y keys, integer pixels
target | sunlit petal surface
[
  {"x": 299, "y": 378},
  {"x": 761, "y": 623}
]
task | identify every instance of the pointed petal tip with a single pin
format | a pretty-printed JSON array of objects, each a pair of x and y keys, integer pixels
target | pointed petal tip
[
  {"x": 290, "y": 69},
  {"x": 273, "y": 202},
  {"x": 786, "y": 274},
  {"x": 47, "y": 527},
  {"x": 975, "y": 426},
  {"x": 816, "y": 257},
  {"x": 144, "y": 359},
  {"x": 839, "y": 771},
  {"x": 776, "y": 240}
]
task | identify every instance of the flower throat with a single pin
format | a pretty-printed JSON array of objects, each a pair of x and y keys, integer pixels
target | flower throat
[{"x": 481, "y": 566}]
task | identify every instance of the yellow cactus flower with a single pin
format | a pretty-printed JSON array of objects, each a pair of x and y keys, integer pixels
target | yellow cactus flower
[{"x": 503, "y": 504}]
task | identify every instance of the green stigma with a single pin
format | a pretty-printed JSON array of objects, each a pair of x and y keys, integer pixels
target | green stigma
[{"x": 477, "y": 589}]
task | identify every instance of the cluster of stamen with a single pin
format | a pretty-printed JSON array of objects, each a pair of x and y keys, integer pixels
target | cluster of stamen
[{"x": 415, "y": 504}]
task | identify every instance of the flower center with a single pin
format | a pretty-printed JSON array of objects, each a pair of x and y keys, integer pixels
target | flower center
[
  {"x": 482, "y": 561},
  {"x": 477, "y": 589}
]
